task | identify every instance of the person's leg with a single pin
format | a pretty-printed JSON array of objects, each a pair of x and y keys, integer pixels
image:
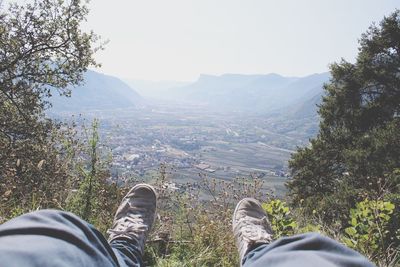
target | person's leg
[
  {"x": 53, "y": 238},
  {"x": 253, "y": 235},
  {"x": 309, "y": 249},
  {"x": 57, "y": 238},
  {"x": 132, "y": 223}
]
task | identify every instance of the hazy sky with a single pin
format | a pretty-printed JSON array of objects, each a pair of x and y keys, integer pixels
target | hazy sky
[{"x": 179, "y": 39}]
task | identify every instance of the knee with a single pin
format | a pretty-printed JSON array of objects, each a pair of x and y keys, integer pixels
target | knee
[{"x": 43, "y": 217}]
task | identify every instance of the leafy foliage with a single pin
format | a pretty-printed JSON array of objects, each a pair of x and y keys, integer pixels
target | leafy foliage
[
  {"x": 279, "y": 216},
  {"x": 368, "y": 222},
  {"x": 358, "y": 144},
  {"x": 42, "y": 50},
  {"x": 369, "y": 228},
  {"x": 96, "y": 197}
]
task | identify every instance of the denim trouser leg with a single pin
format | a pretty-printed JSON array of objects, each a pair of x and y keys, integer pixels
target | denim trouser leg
[
  {"x": 56, "y": 238},
  {"x": 127, "y": 253},
  {"x": 304, "y": 250}
]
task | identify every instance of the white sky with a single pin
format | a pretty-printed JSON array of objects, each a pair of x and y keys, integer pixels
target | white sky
[{"x": 180, "y": 39}]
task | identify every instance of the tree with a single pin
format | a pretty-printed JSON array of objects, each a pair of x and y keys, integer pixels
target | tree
[
  {"x": 358, "y": 145},
  {"x": 42, "y": 51}
]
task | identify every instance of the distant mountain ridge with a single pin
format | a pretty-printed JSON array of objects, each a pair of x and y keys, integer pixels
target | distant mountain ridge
[
  {"x": 252, "y": 93},
  {"x": 98, "y": 92},
  {"x": 292, "y": 97}
]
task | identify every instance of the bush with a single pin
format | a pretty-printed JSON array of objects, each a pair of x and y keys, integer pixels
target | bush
[
  {"x": 369, "y": 228},
  {"x": 279, "y": 216}
]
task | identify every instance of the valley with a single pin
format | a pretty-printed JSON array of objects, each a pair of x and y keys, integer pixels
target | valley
[
  {"x": 192, "y": 142},
  {"x": 221, "y": 127}
]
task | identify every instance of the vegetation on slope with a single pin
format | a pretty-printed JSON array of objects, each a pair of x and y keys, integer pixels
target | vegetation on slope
[
  {"x": 345, "y": 184},
  {"x": 355, "y": 159}
]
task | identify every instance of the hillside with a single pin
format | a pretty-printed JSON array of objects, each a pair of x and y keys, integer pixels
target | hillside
[
  {"x": 99, "y": 92},
  {"x": 251, "y": 93}
]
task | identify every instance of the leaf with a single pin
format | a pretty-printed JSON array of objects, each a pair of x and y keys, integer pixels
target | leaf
[
  {"x": 293, "y": 224},
  {"x": 7, "y": 193},
  {"x": 389, "y": 206},
  {"x": 40, "y": 164},
  {"x": 350, "y": 242},
  {"x": 351, "y": 231}
]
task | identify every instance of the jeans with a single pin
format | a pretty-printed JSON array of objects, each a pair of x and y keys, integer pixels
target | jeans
[
  {"x": 309, "y": 249},
  {"x": 56, "y": 238}
]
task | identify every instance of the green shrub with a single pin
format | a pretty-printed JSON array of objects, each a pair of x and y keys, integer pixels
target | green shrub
[
  {"x": 368, "y": 231},
  {"x": 279, "y": 215}
]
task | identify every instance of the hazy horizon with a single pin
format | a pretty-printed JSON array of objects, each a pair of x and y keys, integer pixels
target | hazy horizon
[{"x": 205, "y": 74}]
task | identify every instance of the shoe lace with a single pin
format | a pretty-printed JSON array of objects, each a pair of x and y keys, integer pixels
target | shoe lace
[
  {"x": 131, "y": 225},
  {"x": 254, "y": 230}
]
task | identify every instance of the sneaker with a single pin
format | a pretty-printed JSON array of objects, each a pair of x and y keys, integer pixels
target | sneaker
[
  {"x": 135, "y": 216},
  {"x": 250, "y": 226}
]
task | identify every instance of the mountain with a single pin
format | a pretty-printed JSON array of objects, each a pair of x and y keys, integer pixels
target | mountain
[
  {"x": 290, "y": 97},
  {"x": 98, "y": 92},
  {"x": 251, "y": 93},
  {"x": 306, "y": 108}
]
